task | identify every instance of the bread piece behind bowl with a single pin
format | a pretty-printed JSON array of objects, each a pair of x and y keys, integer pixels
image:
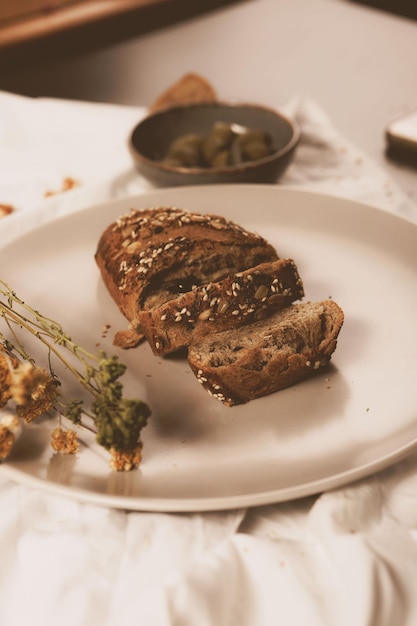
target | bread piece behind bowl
[
  {"x": 242, "y": 364},
  {"x": 189, "y": 88}
]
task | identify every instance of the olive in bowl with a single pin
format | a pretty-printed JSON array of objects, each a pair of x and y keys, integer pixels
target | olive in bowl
[{"x": 213, "y": 142}]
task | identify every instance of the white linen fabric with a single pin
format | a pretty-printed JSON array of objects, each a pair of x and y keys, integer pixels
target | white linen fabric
[{"x": 343, "y": 558}]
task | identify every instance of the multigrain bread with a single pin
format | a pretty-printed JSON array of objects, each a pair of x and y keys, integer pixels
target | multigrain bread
[
  {"x": 148, "y": 257},
  {"x": 201, "y": 281},
  {"x": 241, "y": 364},
  {"x": 236, "y": 300}
]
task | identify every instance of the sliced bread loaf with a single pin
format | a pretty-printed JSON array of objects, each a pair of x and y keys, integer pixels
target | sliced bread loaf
[
  {"x": 150, "y": 256},
  {"x": 232, "y": 302},
  {"x": 241, "y": 364}
]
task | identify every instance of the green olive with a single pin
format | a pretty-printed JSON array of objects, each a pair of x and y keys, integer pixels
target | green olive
[
  {"x": 255, "y": 134},
  {"x": 223, "y": 146},
  {"x": 221, "y": 159},
  {"x": 191, "y": 140},
  {"x": 186, "y": 149},
  {"x": 217, "y": 140},
  {"x": 221, "y": 129},
  {"x": 254, "y": 150}
]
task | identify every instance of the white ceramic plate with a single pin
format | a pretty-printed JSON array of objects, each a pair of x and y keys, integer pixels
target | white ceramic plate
[{"x": 357, "y": 417}]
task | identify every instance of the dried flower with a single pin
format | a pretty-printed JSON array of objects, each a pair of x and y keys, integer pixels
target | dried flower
[
  {"x": 7, "y": 440},
  {"x": 64, "y": 441},
  {"x": 33, "y": 390},
  {"x": 9, "y": 431},
  {"x": 126, "y": 460},
  {"x": 117, "y": 421}
]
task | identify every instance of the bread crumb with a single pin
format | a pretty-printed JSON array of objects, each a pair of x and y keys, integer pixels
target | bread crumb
[
  {"x": 67, "y": 184},
  {"x": 127, "y": 339},
  {"x": 105, "y": 330},
  {"x": 6, "y": 209}
]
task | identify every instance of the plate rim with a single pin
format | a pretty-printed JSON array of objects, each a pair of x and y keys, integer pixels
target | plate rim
[
  {"x": 219, "y": 503},
  {"x": 47, "y": 217}
]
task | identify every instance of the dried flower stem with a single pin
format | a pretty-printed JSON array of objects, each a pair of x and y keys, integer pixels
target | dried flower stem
[
  {"x": 42, "y": 327},
  {"x": 117, "y": 420}
]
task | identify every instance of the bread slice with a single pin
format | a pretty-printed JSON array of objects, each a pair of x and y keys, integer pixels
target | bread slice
[
  {"x": 234, "y": 301},
  {"x": 150, "y": 256},
  {"x": 241, "y": 364},
  {"x": 188, "y": 89}
]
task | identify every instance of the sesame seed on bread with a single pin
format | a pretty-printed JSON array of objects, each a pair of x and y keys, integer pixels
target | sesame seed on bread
[{"x": 236, "y": 300}]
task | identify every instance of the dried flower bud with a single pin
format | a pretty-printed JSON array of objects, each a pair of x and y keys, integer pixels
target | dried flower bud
[
  {"x": 33, "y": 390},
  {"x": 64, "y": 441},
  {"x": 9, "y": 431},
  {"x": 7, "y": 440},
  {"x": 126, "y": 460}
]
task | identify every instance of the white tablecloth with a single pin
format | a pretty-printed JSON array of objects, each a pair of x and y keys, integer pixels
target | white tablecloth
[{"x": 343, "y": 558}]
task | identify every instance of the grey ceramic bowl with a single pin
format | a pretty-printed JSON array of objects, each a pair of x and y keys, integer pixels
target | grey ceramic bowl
[{"x": 150, "y": 139}]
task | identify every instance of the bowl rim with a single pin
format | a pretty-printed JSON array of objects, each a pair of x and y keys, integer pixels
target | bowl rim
[{"x": 223, "y": 169}]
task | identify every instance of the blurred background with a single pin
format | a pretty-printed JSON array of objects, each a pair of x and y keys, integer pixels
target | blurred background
[
  {"x": 346, "y": 54},
  {"x": 75, "y": 48}
]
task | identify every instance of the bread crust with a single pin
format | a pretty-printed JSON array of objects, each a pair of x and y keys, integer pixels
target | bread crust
[
  {"x": 236, "y": 300},
  {"x": 243, "y": 364},
  {"x": 146, "y": 255},
  {"x": 189, "y": 88}
]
